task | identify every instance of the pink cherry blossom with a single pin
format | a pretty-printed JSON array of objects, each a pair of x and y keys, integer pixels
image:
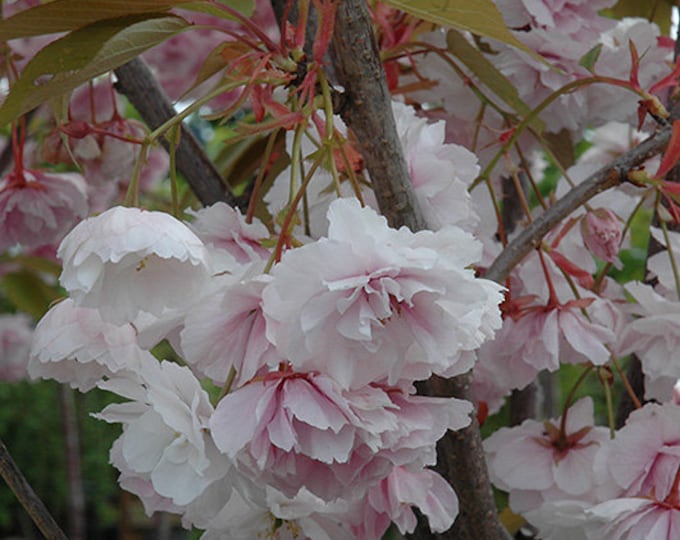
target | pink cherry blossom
[
  {"x": 73, "y": 345},
  {"x": 440, "y": 173},
  {"x": 226, "y": 228},
  {"x": 644, "y": 457},
  {"x": 392, "y": 499},
  {"x": 228, "y": 330},
  {"x": 15, "y": 341},
  {"x": 305, "y": 431},
  {"x": 538, "y": 462},
  {"x": 126, "y": 261},
  {"x": 370, "y": 303},
  {"x": 38, "y": 208}
]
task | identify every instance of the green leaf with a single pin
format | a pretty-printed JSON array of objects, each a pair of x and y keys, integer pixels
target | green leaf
[
  {"x": 245, "y": 7},
  {"x": 83, "y": 54},
  {"x": 68, "y": 15},
  {"x": 28, "y": 292},
  {"x": 480, "y": 17},
  {"x": 658, "y": 11},
  {"x": 589, "y": 59},
  {"x": 488, "y": 74}
]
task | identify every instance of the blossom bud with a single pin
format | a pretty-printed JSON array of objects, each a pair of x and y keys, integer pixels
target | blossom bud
[{"x": 601, "y": 232}]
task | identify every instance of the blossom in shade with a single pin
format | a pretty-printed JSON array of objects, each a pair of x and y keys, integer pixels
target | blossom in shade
[
  {"x": 440, "y": 172},
  {"x": 306, "y": 431},
  {"x": 540, "y": 461},
  {"x": 392, "y": 499},
  {"x": 15, "y": 341},
  {"x": 38, "y": 208},
  {"x": 369, "y": 303},
  {"x": 644, "y": 457},
  {"x": 126, "y": 261},
  {"x": 165, "y": 431},
  {"x": 269, "y": 514},
  {"x": 226, "y": 228},
  {"x": 654, "y": 337},
  {"x": 228, "y": 330},
  {"x": 73, "y": 345}
]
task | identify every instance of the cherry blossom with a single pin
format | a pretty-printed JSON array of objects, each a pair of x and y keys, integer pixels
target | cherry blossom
[
  {"x": 381, "y": 303},
  {"x": 126, "y": 261},
  {"x": 224, "y": 227},
  {"x": 228, "y": 330},
  {"x": 72, "y": 344},
  {"x": 601, "y": 232},
  {"x": 165, "y": 437},
  {"x": 308, "y": 432},
  {"x": 537, "y": 462},
  {"x": 38, "y": 208}
]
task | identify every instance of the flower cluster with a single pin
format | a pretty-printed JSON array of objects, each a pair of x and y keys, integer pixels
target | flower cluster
[{"x": 320, "y": 355}]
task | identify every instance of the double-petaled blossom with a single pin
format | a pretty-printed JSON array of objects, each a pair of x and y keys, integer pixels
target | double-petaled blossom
[
  {"x": 305, "y": 431},
  {"x": 228, "y": 331},
  {"x": 370, "y": 303},
  {"x": 225, "y": 228},
  {"x": 73, "y": 345},
  {"x": 391, "y": 501},
  {"x": 126, "y": 261},
  {"x": 38, "y": 208},
  {"x": 165, "y": 436}
]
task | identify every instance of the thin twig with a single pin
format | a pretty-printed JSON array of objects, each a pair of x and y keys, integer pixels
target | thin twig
[
  {"x": 141, "y": 88},
  {"x": 609, "y": 176},
  {"x": 29, "y": 500}
]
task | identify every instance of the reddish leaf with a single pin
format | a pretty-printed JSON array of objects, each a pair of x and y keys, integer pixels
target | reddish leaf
[
  {"x": 672, "y": 154},
  {"x": 583, "y": 277}
]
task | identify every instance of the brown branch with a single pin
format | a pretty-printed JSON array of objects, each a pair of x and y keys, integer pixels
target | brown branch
[
  {"x": 141, "y": 88},
  {"x": 27, "y": 497},
  {"x": 368, "y": 113},
  {"x": 612, "y": 175}
]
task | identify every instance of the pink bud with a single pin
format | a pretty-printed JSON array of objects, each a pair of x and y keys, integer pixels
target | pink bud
[{"x": 601, "y": 232}]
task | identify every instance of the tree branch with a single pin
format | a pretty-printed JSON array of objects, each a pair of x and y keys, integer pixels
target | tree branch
[
  {"x": 27, "y": 497},
  {"x": 141, "y": 88},
  {"x": 368, "y": 113},
  {"x": 612, "y": 175}
]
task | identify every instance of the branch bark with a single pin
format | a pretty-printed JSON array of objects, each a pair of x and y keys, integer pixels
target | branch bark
[
  {"x": 141, "y": 88},
  {"x": 368, "y": 113},
  {"x": 27, "y": 497},
  {"x": 607, "y": 177}
]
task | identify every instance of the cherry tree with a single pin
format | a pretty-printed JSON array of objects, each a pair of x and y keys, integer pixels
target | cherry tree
[{"x": 314, "y": 246}]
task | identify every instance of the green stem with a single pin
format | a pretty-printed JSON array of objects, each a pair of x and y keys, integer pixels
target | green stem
[
  {"x": 132, "y": 195},
  {"x": 570, "y": 397}
]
